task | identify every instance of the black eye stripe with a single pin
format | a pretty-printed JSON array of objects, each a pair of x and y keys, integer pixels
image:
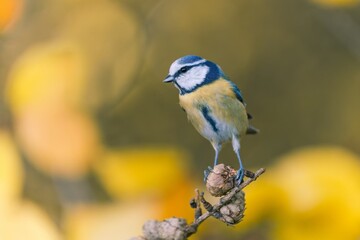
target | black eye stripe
[{"x": 184, "y": 69}]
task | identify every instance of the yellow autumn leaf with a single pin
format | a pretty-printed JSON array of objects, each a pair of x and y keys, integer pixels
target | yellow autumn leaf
[
  {"x": 113, "y": 221},
  {"x": 19, "y": 219},
  {"x": 176, "y": 201},
  {"x": 24, "y": 220},
  {"x": 262, "y": 199},
  {"x": 140, "y": 171},
  {"x": 45, "y": 92},
  {"x": 59, "y": 141},
  {"x": 11, "y": 172},
  {"x": 322, "y": 192},
  {"x": 9, "y": 12},
  {"x": 47, "y": 75}
]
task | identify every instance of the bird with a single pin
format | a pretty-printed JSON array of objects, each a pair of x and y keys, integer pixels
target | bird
[{"x": 213, "y": 104}]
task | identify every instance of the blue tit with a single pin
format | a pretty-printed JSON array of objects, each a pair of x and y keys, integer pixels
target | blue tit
[{"x": 213, "y": 104}]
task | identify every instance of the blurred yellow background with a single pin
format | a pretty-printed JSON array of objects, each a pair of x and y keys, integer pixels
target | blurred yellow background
[{"x": 93, "y": 144}]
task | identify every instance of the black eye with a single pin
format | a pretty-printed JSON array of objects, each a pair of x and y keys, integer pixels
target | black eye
[{"x": 184, "y": 69}]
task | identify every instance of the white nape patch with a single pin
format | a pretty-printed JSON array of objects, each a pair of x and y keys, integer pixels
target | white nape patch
[
  {"x": 176, "y": 65},
  {"x": 194, "y": 76}
]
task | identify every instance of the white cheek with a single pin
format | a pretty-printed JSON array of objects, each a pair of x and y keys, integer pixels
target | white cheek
[{"x": 193, "y": 77}]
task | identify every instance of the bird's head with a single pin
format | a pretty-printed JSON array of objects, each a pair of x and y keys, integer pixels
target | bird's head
[{"x": 190, "y": 72}]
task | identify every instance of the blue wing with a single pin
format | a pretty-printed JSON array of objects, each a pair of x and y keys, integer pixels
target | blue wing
[
  {"x": 237, "y": 93},
  {"x": 239, "y": 97}
]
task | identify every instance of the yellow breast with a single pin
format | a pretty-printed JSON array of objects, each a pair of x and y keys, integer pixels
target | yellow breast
[{"x": 221, "y": 100}]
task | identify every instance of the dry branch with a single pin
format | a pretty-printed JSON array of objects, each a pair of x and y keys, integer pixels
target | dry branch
[{"x": 229, "y": 209}]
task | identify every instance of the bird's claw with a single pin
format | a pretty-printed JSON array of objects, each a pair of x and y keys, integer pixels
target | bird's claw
[
  {"x": 239, "y": 176},
  {"x": 207, "y": 172}
]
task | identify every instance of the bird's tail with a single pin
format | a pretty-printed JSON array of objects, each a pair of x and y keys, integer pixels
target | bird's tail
[{"x": 252, "y": 130}]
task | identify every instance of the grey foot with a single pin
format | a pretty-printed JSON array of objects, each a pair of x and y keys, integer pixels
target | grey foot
[{"x": 239, "y": 176}]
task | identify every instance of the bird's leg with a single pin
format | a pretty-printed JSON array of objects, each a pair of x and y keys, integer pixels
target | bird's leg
[
  {"x": 217, "y": 150},
  {"x": 240, "y": 172},
  {"x": 207, "y": 171},
  {"x": 236, "y": 147}
]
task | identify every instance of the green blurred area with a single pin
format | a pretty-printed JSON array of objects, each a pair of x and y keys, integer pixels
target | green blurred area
[{"x": 296, "y": 63}]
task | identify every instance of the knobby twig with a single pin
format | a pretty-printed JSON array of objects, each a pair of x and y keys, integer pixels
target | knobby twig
[
  {"x": 230, "y": 208},
  {"x": 192, "y": 228}
]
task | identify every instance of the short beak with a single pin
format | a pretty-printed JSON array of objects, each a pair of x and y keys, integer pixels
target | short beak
[{"x": 168, "y": 79}]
